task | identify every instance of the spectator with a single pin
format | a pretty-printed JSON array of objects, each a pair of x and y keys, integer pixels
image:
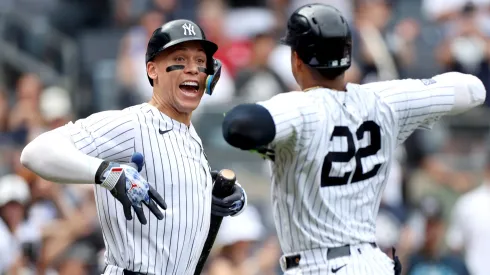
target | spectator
[
  {"x": 56, "y": 107},
  {"x": 211, "y": 19},
  {"x": 4, "y": 111},
  {"x": 14, "y": 195},
  {"x": 470, "y": 224},
  {"x": 245, "y": 19},
  {"x": 388, "y": 228},
  {"x": 74, "y": 249},
  {"x": 446, "y": 11},
  {"x": 258, "y": 81},
  {"x": 237, "y": 237},
  {"x": 131, "y": 74},
  {"x": 25, "y": 119},
  {"x": 429, "y": 259},
  {"x": 280, "y": 61},
  {"x": 381, "y": 54},
  {"x": 167, "y": 7},
  {"x": 467, "y": 48},
  {"x": 233, "y": 53}
]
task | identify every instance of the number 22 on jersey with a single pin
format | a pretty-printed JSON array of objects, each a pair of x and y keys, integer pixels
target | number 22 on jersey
[{"x": 374, "y": 131}]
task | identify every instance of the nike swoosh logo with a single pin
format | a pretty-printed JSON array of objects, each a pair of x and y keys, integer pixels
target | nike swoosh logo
[
  {"x": 164, "y": 132},
  {"x": 334, "y": 270}
]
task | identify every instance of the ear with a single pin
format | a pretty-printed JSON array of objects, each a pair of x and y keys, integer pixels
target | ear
[{"x": 151, "y": 70}]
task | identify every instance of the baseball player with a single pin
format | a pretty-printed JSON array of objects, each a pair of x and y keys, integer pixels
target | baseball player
[
  {"x": 157, "y": 139},
  {"x": 331, "y": 144}
]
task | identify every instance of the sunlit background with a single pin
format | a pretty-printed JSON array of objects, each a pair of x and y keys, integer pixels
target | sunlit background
[{"x": 64, "y": 59}]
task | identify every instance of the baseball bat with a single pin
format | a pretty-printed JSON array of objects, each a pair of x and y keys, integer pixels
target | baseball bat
[{"x": 223, "y": 186}]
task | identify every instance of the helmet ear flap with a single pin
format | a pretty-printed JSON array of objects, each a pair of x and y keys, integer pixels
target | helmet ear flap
[{"x": 213, "y": 77}]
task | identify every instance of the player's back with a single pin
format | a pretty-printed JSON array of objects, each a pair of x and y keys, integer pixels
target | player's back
[{"x": 328, "y": 180}]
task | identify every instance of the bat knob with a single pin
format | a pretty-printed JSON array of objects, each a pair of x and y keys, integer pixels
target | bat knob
[
  {"x": 224, "y": 183},
  {"x": 228, "y": 174}
]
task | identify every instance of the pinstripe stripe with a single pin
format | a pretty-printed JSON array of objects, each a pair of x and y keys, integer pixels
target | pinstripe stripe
[
  {"x": 178, "y": 256},
  {"x": 149, "y": 216},
  {"x": 139, "y": 239},
  {"x": 175, "y": 256},
  {"x": 172, "y": 184},
  {"x": 161, "y": 191},
  {"x": 103, "y": 227},
  {"x": 193, "y": 229}
]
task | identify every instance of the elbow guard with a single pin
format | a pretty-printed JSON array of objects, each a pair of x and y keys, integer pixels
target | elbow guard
[{"x": 249, "y": 126}]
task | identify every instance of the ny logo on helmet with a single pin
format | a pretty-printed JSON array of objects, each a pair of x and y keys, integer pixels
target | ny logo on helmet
[{"x": 188, "y": 29}]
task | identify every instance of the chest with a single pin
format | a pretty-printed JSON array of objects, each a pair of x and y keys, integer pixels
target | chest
[{"x": 174, "y": 159}]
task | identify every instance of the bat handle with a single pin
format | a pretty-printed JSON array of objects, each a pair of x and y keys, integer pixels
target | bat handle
[{"x": 224, "y": 183}]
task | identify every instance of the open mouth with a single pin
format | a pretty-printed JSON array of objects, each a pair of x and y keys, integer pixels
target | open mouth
[{"x": 189, "y": 86}]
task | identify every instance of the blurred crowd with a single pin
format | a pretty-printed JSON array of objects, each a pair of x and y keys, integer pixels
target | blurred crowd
[{"x": 435, "y": 206}]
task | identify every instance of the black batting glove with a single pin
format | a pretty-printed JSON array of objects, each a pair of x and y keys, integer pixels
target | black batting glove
[
  {"x": 397, "y": 263},
  {"x": 231, "y": 205},
  {"x": 130, "y": 188}
]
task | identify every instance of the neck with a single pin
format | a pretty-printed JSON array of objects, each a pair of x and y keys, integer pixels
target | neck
[
  {"x": 314, "y": 79},
  {"x": 330, "y": 84},
  {"x": 170, "y": 110}
]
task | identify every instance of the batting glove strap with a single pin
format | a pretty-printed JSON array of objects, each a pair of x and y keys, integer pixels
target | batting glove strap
[
  {"x": 112, "y": 178},
  {"x": 109, "y": 177},
  {"x": 244, "y": 200}
]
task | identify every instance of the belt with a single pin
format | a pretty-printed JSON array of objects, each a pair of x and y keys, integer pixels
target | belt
[
  {"x": 128, "y": 272},
  {"x": 332, "y": 253}
]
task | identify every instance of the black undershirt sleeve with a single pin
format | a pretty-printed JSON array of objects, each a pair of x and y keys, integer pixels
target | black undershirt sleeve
[{"x": 249, "y": 126}]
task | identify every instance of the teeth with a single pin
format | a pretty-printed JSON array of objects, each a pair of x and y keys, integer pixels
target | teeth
[{"x": 190, "y": 83}]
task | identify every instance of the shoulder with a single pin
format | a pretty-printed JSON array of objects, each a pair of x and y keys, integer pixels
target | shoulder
[
  {"x": 293, "y": 99},
  {"x": 126, "y": 118},
  {"x": 130, "y": 113}
]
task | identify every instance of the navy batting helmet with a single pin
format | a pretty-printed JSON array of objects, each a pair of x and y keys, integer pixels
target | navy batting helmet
[
  {"x": 321, "y": 37},
  {"x": 180, "y": 31}
]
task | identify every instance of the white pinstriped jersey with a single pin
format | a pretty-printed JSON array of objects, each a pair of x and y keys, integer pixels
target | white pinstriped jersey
[
  {"x": 175, "y": 165},
  {"x": 333, "y": 151}
]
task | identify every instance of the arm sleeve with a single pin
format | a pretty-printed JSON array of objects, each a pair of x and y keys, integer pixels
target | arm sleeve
[
  {"x": 248, "y": 126},
  {"x": 419, "y": 103},
  {"x": 74, "y": 152}
]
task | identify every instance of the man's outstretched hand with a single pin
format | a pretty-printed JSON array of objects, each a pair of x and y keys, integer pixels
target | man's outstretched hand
[{"x": 130, "y": 188}]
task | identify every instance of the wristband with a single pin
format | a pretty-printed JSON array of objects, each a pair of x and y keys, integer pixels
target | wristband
[
  {"x": 111, "y": 177},
  {"x": 244, "y": 203},
  {"x": 100, "y": 171}
]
